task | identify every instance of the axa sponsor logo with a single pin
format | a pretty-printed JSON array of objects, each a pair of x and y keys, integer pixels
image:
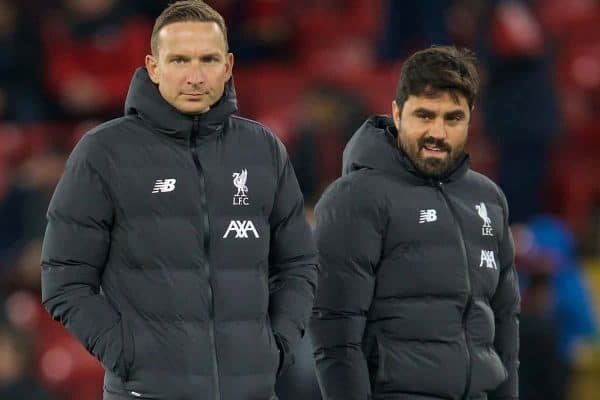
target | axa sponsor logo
[
  {"x": 488, "y": 260},
  {"x": 241, "y": 229}
]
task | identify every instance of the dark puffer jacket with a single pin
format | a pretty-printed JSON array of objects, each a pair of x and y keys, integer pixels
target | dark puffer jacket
[
  {"x": 178, "y": 253},
  {"x": 418, "y": 295}
]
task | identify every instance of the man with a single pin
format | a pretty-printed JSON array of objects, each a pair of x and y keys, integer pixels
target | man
[
  {"x": 177, "y": 250},
  {"x": 418, "y": 297}
]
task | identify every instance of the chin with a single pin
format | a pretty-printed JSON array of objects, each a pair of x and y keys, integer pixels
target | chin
[{"x": 193, "y": 109}]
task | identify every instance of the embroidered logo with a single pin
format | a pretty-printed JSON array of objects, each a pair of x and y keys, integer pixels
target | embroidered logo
[
  {"x": 164, "y": 185},
  {"x": 241, "y": 229},
  {"x": 427, "y": 216},
  {"x": 486, "y": 229},
  {"x": 239, "y": 181},
  {"x": 487, "y": 259}
]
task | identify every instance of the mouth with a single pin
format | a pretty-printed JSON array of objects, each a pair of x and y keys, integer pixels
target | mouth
[
  {"x": 431, "y": 150},
  {"x": 195, "y": 95}
]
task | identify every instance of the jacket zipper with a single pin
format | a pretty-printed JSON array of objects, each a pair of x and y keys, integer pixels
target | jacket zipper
[
  {"x": 469, "y": 302},
  {"x": 206, "y": 226}
]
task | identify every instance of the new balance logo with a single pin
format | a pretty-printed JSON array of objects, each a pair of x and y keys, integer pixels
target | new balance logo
[
  {"x": 487, "y": 259},
  {"x": 164, "y": 185},
  {"x": 427, "y": 216},
  {"x": 241, "y": 229}
]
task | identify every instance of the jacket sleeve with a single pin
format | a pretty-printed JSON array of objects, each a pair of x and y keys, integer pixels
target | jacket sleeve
[
  {"x": 74, "y": 252},
  {"x": 506, "y": 306},
  {"x": 292, "y": 264},
  {"x": 349, "y": 235}
]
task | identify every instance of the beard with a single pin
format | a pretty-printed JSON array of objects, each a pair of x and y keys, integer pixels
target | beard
[{"x": 433, "y": 167}]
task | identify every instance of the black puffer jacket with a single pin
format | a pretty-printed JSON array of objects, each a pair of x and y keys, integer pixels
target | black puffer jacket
[
  {"x": 418, "y": 295},
  {"x": 177, "y": 248}
]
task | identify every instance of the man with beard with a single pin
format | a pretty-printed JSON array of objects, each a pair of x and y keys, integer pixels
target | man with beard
[{"x": 418, "y": 296}]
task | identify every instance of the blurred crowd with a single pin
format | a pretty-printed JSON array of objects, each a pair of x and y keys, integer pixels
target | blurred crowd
[{"x": 312, "y": 71}]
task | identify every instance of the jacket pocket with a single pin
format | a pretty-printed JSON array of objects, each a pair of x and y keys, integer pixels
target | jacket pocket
[
  {"x": 488, "y": 369},
  {"x": 415, "y": 365},
  {"x": 274, "y": 348},
  {"x": 128, "y": 352}
]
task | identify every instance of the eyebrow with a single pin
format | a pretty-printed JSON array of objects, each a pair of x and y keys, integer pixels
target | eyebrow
[
  {"x": 203, "y": 56},
  {"x": 448, "y": 115},
  {"x": 454, "y": 114}
]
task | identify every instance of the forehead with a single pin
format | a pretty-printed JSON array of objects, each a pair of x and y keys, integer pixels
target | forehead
[
  {"x": 442, "y": 101},
  {"x": 191, "y": 37}
]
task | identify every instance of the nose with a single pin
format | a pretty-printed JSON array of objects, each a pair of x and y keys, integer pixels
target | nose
[
  {"x": 195, "y": 76},
  {"x": 438, "y": 129}
]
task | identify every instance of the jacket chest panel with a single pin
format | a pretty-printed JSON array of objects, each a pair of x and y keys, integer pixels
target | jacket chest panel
[
  {"x": 240, "y": 199},
  {"x": 483, "y": 225},
  {"x": 432, "y": 239}
]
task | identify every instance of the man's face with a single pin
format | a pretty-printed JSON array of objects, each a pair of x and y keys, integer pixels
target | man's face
[
  {"x": 432, "y": 130},
  {"x": 192, "y": 65}
]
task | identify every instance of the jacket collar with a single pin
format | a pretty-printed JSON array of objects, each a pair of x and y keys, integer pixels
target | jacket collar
[
  {"x": 375, "y": 146},
  {"x": 144, "y": 100}
]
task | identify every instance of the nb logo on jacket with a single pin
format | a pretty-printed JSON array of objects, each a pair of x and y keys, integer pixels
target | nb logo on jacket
[
  {"x": 241, "y": 229},
  {"x": 427, "y": 216},
  {"x": 164, "y": 185}
]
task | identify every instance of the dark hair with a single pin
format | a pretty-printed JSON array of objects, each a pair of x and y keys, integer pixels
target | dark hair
[
  {"x": 439, "y": 68},
  {"x": 183, "y": 11}
]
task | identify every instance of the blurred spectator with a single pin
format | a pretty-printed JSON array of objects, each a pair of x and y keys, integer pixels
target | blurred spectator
[
  {"x": 541, "y": 371},
  {"x": 327, "y": 119},
  {"x": 572, "y": 305},
  {"x": 260, "y": 30},
  {"x": 23, "y": 208},
  {"x": 20, "y": 70},
  {"x": 411, "y": 25},
  {"x": 92, "y": 48},
  {"x": 16, "y": 380},
  {"x": 519, "y": 101},
  {"x": 559, "y": 316},
  {"x": 60, "y": 363}
]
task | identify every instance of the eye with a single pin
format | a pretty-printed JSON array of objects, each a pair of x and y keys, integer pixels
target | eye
[
  {"x": 456, "y": 118},
  {"x": 178, "y": 60}
]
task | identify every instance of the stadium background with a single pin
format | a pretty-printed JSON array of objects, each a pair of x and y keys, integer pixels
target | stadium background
[{"x": 312, "y": 70}]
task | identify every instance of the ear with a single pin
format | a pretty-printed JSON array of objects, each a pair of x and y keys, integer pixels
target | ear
[
  {"x": 152, "y": 67},
  {"x": 229, "y": 59},
  {"x": 396, "y": 114}
]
